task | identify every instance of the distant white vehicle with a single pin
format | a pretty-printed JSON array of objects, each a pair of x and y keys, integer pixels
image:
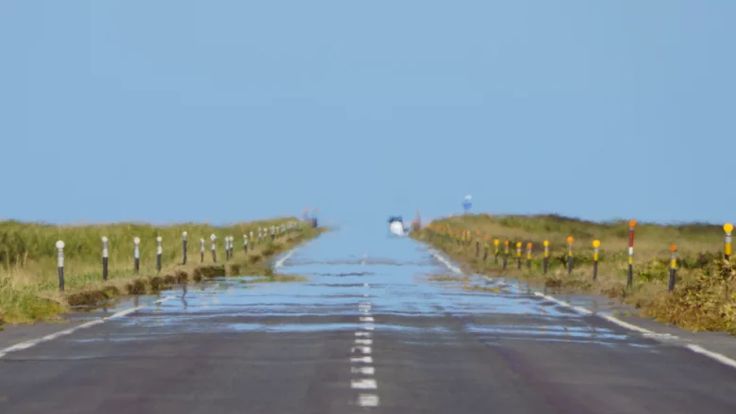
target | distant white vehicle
[{"x": 396, "y": 226}]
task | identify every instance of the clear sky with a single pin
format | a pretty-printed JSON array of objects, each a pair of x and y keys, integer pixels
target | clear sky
[{"x": 220, "y": 110}]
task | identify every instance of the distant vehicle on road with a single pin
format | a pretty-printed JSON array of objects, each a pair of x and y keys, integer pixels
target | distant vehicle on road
[{"x": 396, "y": 226}]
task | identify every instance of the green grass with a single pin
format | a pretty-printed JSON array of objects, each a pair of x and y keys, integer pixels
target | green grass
[
  {"x": 28, "y": 274},
  {"x": 702, "y": 300}
]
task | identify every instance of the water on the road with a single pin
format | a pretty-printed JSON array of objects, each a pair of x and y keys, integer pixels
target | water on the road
[
  {"x": 377, "y": 323},
  {"x": 344, "y": 268}
]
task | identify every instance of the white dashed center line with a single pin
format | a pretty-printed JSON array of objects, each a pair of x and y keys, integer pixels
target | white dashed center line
[
  {"x": 362, "y": 366},
  {"x": 368, "y": 400},
  {"x": 363, "y": 370},
  {"x": 364, "y": 384}
]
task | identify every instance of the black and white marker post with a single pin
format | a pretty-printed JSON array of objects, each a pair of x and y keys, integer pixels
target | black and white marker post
[
  {"x": 213, "y": 238},
  {"x": 159, "y": 253},
  {"x": 60, "y": 263},
  {"x": 245, "y": 243},
  {"x": 137, "y": 254},
  {"x": 105, "y": 257},
  {"x": 184, "y": 237},
  {"x": 201, "y": 250}
]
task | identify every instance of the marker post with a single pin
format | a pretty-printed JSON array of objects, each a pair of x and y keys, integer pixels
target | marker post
[
  {"x": 570, "y": 259},
  {"x": 105, "y": 257},
  {"x": 137, "y": 254},
  {"x": 518, "y": 255},
  {"x": 529, "y": 249},
  {"x": 159, "y": 253},
  {"x": 245, "y": 243},
  {"x": 506, "y": 252},
  {"x": 630, "y": 276},
  {"x": 596, "y": 256},
  {"x": 496, "y": 243},
  {"x": 60, "y": 263},
  {"x": 545, "y": 260},
  {"x": 727, "y": 241},
  {"x": 673, "y": 267},
  {"x": 201, "y": 250},
  {"x": 213, "y": 247},
  {"x": 184, "y": 237},
  {"x": 226, "y": 242}
]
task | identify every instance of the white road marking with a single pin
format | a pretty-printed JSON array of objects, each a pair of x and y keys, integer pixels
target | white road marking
[
  {"x": 626, "y": 325},
  {"x": 366, "y": 350},
  {"x": 368, "y": 400},
  {"x": 661, "y": 337},
  {"x": 563, "y": 303},
  {"x": 445, "y": 262},
  {"x": 367, "y": 319},
  {"x": 164, "y": 299},
  {"x": 363, "y": 334},
  {"x": 363, "y": 384},
  {"x": 363, "y": 342},
  {"x": 362, "y": 360},
  {"x": 368, "y": 327},
  {"x": 365, "y": 285},
  {"x": 363, "y": 370},
  {"x": 718, "y": 357},
  {"x": 280, "y": 263},
  {"x": 33, "y": 342}
]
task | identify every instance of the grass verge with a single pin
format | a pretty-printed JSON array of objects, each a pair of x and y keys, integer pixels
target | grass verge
[
  {"x": 704, "y": 297},
  {"x": 29, "y": 284}
]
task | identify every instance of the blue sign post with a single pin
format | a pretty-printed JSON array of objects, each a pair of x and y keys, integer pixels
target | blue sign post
[{"x": 467, "y": 203}]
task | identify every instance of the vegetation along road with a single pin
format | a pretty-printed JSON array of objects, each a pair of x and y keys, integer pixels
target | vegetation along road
[{"x": 366, "y": 323}]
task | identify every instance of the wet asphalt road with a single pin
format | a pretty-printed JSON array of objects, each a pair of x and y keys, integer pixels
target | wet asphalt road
[{"x": 367, "y": 332}]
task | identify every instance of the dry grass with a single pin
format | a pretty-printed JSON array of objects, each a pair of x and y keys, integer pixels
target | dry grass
[
  {"x": 28, "y": 279},
  {"x": 699, "y": 252}
]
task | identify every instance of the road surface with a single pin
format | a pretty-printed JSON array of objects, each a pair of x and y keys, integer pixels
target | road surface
[{"x": 370, "y": 330}]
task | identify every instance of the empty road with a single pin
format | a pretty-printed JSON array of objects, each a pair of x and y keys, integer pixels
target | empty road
[{"x": 372, "y": 328}]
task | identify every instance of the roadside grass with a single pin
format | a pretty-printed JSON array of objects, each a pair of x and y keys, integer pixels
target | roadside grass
[
  {"x": 704, "y": 297},
  {"x": 28, "y": 275}
]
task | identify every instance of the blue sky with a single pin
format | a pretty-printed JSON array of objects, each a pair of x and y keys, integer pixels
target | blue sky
[{"x": 224, "y": 110}]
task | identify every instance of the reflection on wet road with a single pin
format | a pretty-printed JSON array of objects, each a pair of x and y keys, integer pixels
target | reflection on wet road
[
  {"x": 378, "y": 324},
  {"x": 399, "y": 282}
]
